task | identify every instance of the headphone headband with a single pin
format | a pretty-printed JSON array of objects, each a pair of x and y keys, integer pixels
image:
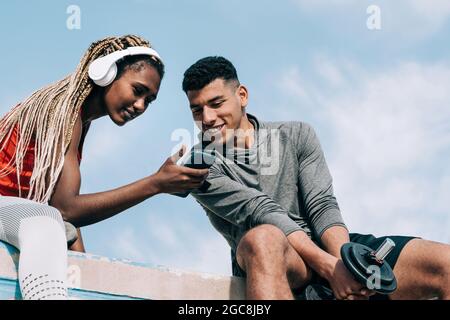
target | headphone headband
[{"x": 104, "y": 69}]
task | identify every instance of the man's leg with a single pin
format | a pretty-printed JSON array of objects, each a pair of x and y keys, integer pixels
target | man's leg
[
  {"x": 273, "y": 267},
  {"x": 423, "y": 271}
]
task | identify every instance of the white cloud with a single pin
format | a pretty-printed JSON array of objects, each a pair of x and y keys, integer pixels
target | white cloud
[
  {"x": 432, "y": 10},
  {"x": 328, "y": 71},
  {"x": 436, "y": 10},
  {"x": 105, "y": 139},
  {"x": 174, "y": 243},
  {"x": 389, "y": 134},
  {"x": 320, "y": 4},
  {"x": 163, "y": 231},
  {"x": 126, "y": 245},
  {"x": 409, "y": 20},
  {"x": 292, "y": 81},
  {"x": 178, "y": 243}
]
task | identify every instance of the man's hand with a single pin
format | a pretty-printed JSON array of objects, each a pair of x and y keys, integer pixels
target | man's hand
[
  {"x": 343, "y": 283},
  {"x": 328, "y": 267}
]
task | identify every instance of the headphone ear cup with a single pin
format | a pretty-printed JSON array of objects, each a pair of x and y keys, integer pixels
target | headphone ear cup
[
  {"x": 103, "y": 70},
  {"x": 109, "y": 76}
]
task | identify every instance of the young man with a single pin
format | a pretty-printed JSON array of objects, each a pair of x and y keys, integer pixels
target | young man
[{"x": 270, "y": 194}]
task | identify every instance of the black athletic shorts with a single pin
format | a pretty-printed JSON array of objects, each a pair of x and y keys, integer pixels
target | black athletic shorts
[{"x": 366, "y": 239}]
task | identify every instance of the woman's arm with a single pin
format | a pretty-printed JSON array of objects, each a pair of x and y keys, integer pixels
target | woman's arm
[
  {"x": 78, "y": 245},
  {"x": 82, "y": 210}
]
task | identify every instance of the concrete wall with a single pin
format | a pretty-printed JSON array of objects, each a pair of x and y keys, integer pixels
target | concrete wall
[{"x": 96, "y": 277}]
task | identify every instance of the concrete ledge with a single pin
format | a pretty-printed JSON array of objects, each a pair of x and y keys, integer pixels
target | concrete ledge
[{"x": 95, "y": 277}]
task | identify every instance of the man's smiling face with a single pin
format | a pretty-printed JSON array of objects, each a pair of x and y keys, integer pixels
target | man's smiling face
[{"x": 219, "y": 107}]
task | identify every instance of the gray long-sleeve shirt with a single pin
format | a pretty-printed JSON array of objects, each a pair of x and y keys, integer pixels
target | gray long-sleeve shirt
[{"x": 281, "y": 180}]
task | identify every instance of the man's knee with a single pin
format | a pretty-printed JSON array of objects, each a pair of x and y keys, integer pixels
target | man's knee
[
  {"x": 425, "y": 264},
  {"x": 437, "y": 261},
  {"x": 262, "y": 240},
  {"x": 440, "y": 271}
]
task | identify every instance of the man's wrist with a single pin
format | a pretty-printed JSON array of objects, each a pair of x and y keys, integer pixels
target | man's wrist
[
  {"x": 333, "y": 238},
  {"x": 335, "y": 250},
  {"x": 319, "y": 260},
  {"x": 327, "y": 266}
]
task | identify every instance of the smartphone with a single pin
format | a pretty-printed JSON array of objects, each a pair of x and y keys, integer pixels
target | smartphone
[{"x": 196, "y": 159}]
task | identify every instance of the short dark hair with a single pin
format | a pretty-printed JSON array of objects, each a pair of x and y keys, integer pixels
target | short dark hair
[
  {"x": 137, "y": 62},
  {"x": 206, "y": 70}
]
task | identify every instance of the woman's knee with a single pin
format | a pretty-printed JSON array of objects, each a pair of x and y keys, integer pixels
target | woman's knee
[
  {"x": 45, "y": 225},
  {"x": 51, "y": 212},
  {"x": 16, "y": 213}
]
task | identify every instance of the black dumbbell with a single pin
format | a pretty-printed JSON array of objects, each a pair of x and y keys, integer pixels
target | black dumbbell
[{"x": 368, "y": 265}]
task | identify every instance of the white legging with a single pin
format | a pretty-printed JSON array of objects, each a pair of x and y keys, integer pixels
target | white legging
[{"x": 37, "y": 230}]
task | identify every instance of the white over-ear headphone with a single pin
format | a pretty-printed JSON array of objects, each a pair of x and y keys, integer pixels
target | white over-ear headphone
[{"x": 103, "y": 70}]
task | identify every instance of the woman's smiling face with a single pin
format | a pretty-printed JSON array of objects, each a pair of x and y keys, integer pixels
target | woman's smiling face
[{"x": 129, "y": 96}]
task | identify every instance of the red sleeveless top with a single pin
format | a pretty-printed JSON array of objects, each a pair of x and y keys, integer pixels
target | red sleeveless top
[{"x": 9, "y": 185}]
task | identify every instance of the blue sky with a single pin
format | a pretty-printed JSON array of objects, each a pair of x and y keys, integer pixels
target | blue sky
[{"x": 378, "y": 99}]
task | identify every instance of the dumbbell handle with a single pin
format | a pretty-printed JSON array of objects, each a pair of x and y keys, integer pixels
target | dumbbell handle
[{"x": 386, "y": 247}]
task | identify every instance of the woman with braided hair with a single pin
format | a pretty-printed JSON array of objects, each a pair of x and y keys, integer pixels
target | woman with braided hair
[{"x": 41, "y": 143}]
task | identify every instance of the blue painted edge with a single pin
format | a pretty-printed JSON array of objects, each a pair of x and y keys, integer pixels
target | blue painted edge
[
  {"x": 9, "y": 290},
  {"x": 88, "y": 256}
]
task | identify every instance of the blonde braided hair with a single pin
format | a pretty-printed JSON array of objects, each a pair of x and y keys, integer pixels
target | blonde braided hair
[{"x": 49, "y": 116}]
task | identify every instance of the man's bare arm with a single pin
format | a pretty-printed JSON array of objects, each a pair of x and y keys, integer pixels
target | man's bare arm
[
  {"x": 333, "y": 238},
  {"x": 327, "y": 266}
]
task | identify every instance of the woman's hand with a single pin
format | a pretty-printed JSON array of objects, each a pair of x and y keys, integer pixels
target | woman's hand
[{"x": 171, "y": 178}]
